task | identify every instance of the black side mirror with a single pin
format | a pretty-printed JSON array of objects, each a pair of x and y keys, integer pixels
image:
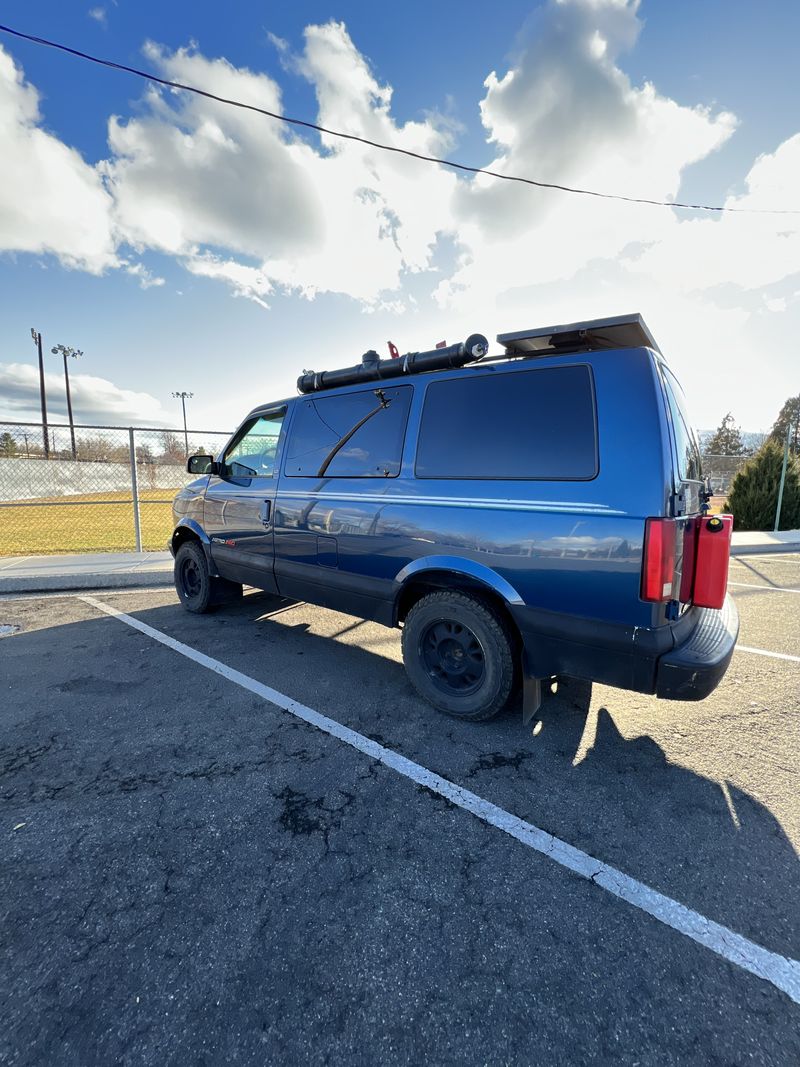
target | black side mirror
[{"x": 201, "y": 465}]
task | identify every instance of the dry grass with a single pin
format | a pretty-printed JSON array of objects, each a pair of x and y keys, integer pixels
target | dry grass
[{"x": 77, "y": 526}]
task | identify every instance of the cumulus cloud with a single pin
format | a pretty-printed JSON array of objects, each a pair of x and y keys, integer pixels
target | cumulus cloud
[
  {"x": 194, "y": 177},
  {"x": 567, "y": 113},
  {"x": 94, "y": 400},
  {"x": 51, "y": 200},
  {"x": 197, "y": 173}
]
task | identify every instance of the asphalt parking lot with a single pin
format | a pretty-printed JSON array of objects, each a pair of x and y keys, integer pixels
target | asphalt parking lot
[{"x": 194, "y": 875}]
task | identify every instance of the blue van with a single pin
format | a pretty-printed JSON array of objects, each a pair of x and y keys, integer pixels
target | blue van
[{"x": 535, "y": 514}]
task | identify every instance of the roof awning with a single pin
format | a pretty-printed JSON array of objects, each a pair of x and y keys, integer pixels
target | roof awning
[{"x": 619, "y": 331}]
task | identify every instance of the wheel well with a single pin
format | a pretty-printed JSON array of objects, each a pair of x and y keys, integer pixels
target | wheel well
[
  {"x": 432, "y": 581},
  {"x": 181, "y": 535}
]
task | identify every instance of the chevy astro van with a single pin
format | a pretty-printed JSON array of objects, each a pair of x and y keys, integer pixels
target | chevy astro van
[{"x": 534, "y": 514}]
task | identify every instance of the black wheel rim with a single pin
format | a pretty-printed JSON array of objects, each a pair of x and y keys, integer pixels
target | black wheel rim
[
  {"x": 453, "y": 657},
  {"x": 191, "y": 578}
]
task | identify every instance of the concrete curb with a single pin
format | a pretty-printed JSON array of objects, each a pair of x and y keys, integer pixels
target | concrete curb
[
  {"x": 763, "y": 550},
  {"x": 63, "y": 583}
]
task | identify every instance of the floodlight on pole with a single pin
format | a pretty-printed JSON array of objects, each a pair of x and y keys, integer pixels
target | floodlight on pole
[
  {"x": 66, "y": 351},
  {"x": 37, "y": 340},
  {"x": 183, "y": 397}
]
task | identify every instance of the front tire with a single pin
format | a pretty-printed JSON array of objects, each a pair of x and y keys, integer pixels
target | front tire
[
  {"x": 198, "y": 591},
  {"x": 459, "y": 655}
]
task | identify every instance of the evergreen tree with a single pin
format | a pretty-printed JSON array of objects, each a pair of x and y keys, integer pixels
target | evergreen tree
[
  {"x": 789, "y": 416},
  {"x": 726, "y": 439},
  {"x": 8, "y": 446},
  {"x": 753, "y": 496}
]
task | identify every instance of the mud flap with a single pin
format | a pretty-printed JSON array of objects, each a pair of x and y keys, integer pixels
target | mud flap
[{"x": 531, "y": 698}]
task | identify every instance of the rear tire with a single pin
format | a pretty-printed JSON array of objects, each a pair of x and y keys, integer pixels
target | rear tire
[
  {"x": 198, "y": 591},
  {"x": 459, "y": 655}
]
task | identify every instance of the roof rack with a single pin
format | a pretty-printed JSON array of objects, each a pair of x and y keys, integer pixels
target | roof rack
[{"x": 619, "y": 331}]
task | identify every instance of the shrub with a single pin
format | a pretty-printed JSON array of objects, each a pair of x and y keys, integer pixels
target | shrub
[{"x": 753, "y": 496}]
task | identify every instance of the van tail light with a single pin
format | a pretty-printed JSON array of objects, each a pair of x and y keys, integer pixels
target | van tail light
[
  {"x": 658, "y": 567},
  {"x": 712, "y": 554}
]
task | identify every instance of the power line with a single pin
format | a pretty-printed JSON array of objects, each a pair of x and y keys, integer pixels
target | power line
[{"x": 386, "y": 147}]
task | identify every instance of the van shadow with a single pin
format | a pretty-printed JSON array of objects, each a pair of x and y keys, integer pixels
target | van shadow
[{"x": 705, "y": 842}]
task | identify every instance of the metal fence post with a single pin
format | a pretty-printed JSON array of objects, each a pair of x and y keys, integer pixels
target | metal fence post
[{"x": 137, "y": 523}]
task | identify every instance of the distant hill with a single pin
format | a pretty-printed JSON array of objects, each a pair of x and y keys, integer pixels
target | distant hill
[{"x": 752, "y": 439}]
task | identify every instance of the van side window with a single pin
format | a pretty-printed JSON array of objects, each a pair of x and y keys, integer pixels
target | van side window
[
  {"x": 686, "y": 443},
  {"x": 352, "y": 435},
  {"x": 252, "y": 453},
  {"x": 532, "y": 424}
]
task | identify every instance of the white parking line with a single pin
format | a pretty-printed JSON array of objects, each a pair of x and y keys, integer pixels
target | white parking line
[
  {"x": 769, "y": 588},
  {"x": 782, "y": 972},
  {"x": 764, "y": 652}
]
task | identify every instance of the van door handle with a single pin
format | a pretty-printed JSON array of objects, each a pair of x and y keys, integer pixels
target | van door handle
[{"x": 266, "y": 512}]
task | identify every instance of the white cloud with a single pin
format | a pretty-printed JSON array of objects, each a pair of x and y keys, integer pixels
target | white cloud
[
  {"x": 748, "y": 251},
  {"x": 566, "y": 113},
  {"x": 194, "y": 177},
  {"x": 246, "y": 281},
  {"x": 99, "y": 14},
  {"x": 50, "y": 199},
  {"x": 94, "y": 400},
  {"x": 197, "y": 173},
  {"x": 147, "y": 280}
]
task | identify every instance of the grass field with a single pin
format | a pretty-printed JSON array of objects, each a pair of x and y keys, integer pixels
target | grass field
[{"x": 81, "y": 524}]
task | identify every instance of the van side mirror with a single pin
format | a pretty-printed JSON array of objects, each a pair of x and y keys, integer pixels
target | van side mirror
[{"x": 201, "y": 465}]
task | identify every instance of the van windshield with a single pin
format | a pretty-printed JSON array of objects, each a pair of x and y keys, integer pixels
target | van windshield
[{"x": 689, "y": 466}]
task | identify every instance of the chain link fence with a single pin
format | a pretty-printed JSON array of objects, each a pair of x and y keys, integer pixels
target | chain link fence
[
  {"x": 92, "y": 488},
  {"x": 721, "y": 470}
]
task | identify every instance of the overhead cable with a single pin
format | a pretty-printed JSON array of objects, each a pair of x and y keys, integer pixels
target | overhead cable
[{"x": 387, "y": 147}]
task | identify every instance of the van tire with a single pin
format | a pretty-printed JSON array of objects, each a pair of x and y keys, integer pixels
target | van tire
[
  {"x": 198, "y": 591},
  {"x": 459, "y": 655}
]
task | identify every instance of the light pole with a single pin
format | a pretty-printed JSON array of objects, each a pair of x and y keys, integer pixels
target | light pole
[
  {"x": 65, "y": 351},
  {"x": 37, "y": 340},
  {"x": 183, "y": 397}
]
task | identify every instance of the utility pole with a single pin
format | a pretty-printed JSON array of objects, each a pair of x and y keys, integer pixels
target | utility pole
[
  {"x": 37, "y": 340},
  {"x": 183, "y": 397},
  {"x": 65, "y": 350}
]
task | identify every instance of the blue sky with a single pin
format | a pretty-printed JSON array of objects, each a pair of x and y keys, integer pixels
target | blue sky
[{"x": 452, "y": 258}]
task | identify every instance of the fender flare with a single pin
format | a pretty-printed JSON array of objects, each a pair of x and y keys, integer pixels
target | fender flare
[
  {"x": 195, "y": 528},
  {"x": 459, "y": 565}
]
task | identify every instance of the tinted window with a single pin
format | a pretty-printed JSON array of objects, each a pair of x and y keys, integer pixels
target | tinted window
[
  {"x": 528, "y": 424},
  {"x": 319, "y": 442},
  {"x": 688, "y": 451},
  {"x": 253, "y": 451}
]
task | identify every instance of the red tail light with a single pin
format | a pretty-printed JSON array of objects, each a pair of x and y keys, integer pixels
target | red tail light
[
  {"x": 711, "y": 562},
  {"x": 658, "y": 568}
]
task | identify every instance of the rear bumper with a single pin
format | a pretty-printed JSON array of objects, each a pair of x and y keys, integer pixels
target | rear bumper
[{"x": 695, "y": 668}]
